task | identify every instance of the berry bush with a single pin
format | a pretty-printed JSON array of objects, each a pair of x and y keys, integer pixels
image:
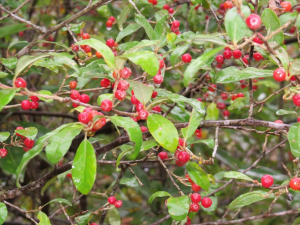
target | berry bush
[{"x": 149, "y": 112}]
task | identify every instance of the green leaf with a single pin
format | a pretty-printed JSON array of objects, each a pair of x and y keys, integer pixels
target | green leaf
[
  {"x": 179, "y": 50},
  {"x": 131, "y": 28},
  {"x": 133, "y": 130},
  {"x": 178, "y": 207},
  {"x": 60, "y": 143},
  {"x": 294, "y": 68},
  {"x": 3, "y": 74},
  {"x": 198, "y": 175},
  {"x": 163, "y": 131},
  {"x": 142, "y": 92},
  {"x": 146, "y": 59},
  {"x": 59, "y": 200},
  {"x": 27, "y": 60},
  {"x": 10, "y": 63},
  {"x": 296, "y": 221},
  {"x": 233, "y": 74},
  {"x": 171, "y": 38},
  {"x": 146, "y": 145},
  {"x": 212, "y": 112},
  {"x": 209, "y": 142},
  {"x": 248, "y": 198},
  {"x": 4, "y": 136},
  {"x": 96, "y": 69},
  {"x": 6, "y": 96},
  {"x": 294, "y": 139},
  {"x": 140, "y": 19},
  {"x": 84, "y": 167},
  {"x": 281, "y": 112},
  {"x": 103, "y": 97},
  {"x": 204, "y": 38},
  {"x": 44, "y": 220},
  {"x": 9, "y": 30},
  {"x": 271, "y": 21},
  {"x": 235, "y": 25},
  {"x": 29, "y": 132},
  {"x": 194, "y": 122},
  {"x": 196, "y": 64},
  {"x": 106, "y": 52},
  {"x": 123, "y": 153},
  {"x": 158, "y": 194},
  {"x": 52, "y": 181},
  {"x": 114, "y": 217},
  {"x": 44, "y": 92},
  {"x": 123, "y": 16},
  {"x": 55, "y": 43},
  {"x": 47, "y": 63},
  {"x": 238, "y": 103},
  {"x": 11, "y": 162},
  {"x": 76, "y": 28},
  {"x": 236, "y": 175},
  {"x": 84, "y": 219},
  {"x": 3, "y": 212},
  {"x": 160, "y": 27},
  {"x": 130, "y": 182}
]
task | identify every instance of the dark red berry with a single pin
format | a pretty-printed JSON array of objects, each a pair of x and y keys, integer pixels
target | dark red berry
[
  {"x": 186, "y": 58},
  {"x": 156, "y": 108},
  {"x": 176, "y": 24},
  {"x": 179, "y": 163},
  {"x": 257, "y": 56},
  {"x": 134, "y": 100},
  {"x": 34, "y": 98},
  {"x": 227, "y": 54},
  {"x": 34, "y": 105},
  {"x": 154, "y": 94},
  {"x": 221, "y": 105},
  {"x": 219, "y": 59},
  {"x": 144, "y": 129},
  {"x": 236, "y": 54},
  {"x": 212, "y": 88},
  {"x": 296, "y": 100},
  {"x": 125, "y": 72},
  {"x": 123, "y": 85}
]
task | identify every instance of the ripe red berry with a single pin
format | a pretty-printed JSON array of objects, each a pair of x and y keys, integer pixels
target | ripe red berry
[
  {"x": 69, "y": 175},
  {"x": 156, "y": 108},
  {"x": 286, "y": 6},
  {"x": 110, "y": 43},
  {"x": 258, "y": 40},
  {"x": 212, "y": 88},
  {"x": 105, "y": 82},
  {"x": 224, "y": 96},
  {"x": 161, "y": 64},
  {"x": 75, "y": 48},
  {"x": 181, "y": 142},
  {"x": 73, "y": 84},
  {"x": 199, "y": 135},
  {"x": 163, "y": 155},
  {"x": 91, "y": 113},
  {"x": 233, "y": 97},
  {"x": 20, "y": 83},
  {"x": 118, "y": 204},
  {"x": 26, "y": 105},
  {"x": 85, "y": 36},
  {"x": 196, "y": 187},
  {"x": 206, "y": 202},
  {"x": 292, "y": 30},
  {"x": 279, "y": 74},
  {"x": 295, "y": 183},
  {"x": 278, "y": 121},
  {"x": 120, "y": 95},
  {"x": 221, "y": 105},
  {"x": 123, "y": 85},
  {"x": 143, "y": 114},
  {"x": 186, "y": 58},
  {"x": 176, "y": 24},
  {"x": 253, "y": 21},
  {"x": 298, "y": 119},
  {"x": 28, "y": 143},
  {"x": 194, "y": 207},
  {"x": 228, "y": 4},
  {"x": 171, "y": 10},
  {"x": 257, "y": 56},
  {"x": 109, "y": 24},
  {"x": 245, "y": 59},
  {"x": 154, "y": 2},
  {"x": 144, "y": 129},
  {"x": 19, "y": 128},
  {"x": 125, "y": 72},
  {"x": 219, "y": 59},
  {"x": 158, "y": 79},
  {"x": 111, "y": 200},
  {"x": 134, "y": 100},
  {"x": 179, "y": 163},
  {"x": 267, "y": 181},
  {"x": 74, "y": 95},
  {"x": 296, "y": 100},
  {"x": 188, "y": 177},
  {"x": 154, "y": 94},
  {"x": 84, "y": 98},
  {"x": 34, "y": 98},
  {"x": 166, "y": 7},
  {"x": 87, "y": 49},
  {"x": 139, "y": 107},
  {"x": 34, "y": 105},
  {"x": 106, "y": 105},
  {"x": 3, "y": 152},
  {"x": 98, "y": 55},
  {"x": 112, "y": 18},
  {"x": 196, "y": 198},
  {"x": 184, "y": 156},
  {"x": 240, "y": 95},
  {"x": 83, "y": 117},
  {"x": 227, "y": 54},
  {"x": 226, "y": 113}
]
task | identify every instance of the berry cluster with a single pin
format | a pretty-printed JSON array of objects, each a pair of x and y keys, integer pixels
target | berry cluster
[
  {"x": 75, "y": 95},
  {"x": 167, "y": 7},
  {"x": 87, "y": 117},
  {"x": 113, "y": 201},
  {"x": 110, "y": 22}
]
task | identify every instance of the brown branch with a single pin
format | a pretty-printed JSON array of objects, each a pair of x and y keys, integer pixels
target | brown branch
[{"x": 16, "y": 10}]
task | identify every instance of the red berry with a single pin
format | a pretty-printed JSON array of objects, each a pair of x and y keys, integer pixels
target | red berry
[
  {"x": 111, "y": 200},
  {"x": 106, "y": 105},
  {"x": 87, "y": 49},
  {"x": 258, "y": 40},
  {"x": 85, "y": 36},
  {"x": 134, "y": 119},
  {"x": 292, "y": 30},
  {"x": 105, "y": 82},
  {"x": 73, "y": 84},
  {"x": 139, "y": 107},
  {"x": 224, "y": 96},
  {"x": 158, "y": 79},
  {"x": 83, "y": 117},
  {"x": 196, "y": 198},
  {"x": 118, "y": 204},
  {"x": 219, "y": 59},
  {"x": 154, "y": 2},
  {"x": 286, "y": 6},
  {"x": 28, "y": 143},
  {"x": 253, "y": 21},
  {"x": 134, "y": 100},
  {"x": 112, "y": 19},
  {"x": 296, "y": 100},
  {"x": 184, "y": 156},
  {"x": 221, "y": 105},
  {"x": 98, "y": 55},
  {"x": 84, "y": 98},
  {"x": 295, "y": 183},
  {"x": 125, "y": 73},
  {"x": 206, "y": 202},
  {"x": 91, "y": 113},
  {"x": 267, "y": 181},
  {"x": 109, "y": 23},
  {"x": 194, "y": 207},
  {"x": 74, "y": 95},
  {"x": 154, "y": 94},
  {"x": 156, "y": 108},
  {"x": 227, "y": 54},
  {"x": 240, "y": 95},
  {"x": 26, "y": 105},
  {"x": 120, "y": 95},
  {"x": 226, "y": 113},
  {"x": 176, "y": 24},
  {"x": 144, "y": 129},
  {"x": 278, "y": 121},
  {"x": 228, "y": 4},
  {"x": 171, "y": 10},
  {"x": 69, "y": 175},
  {"x": 3, "y": 152},
  {"x": 181, "y": 142},
  {"x": 34, "y": 105},
  {"x": 196, "y": 187},
  {"x": 143, "y": 114},
  {"x": 233, "y": 97},
  {"x": 188, "y": 177},
  {"x": 199, "y": 135},
  {"x": 110, "y": 43},
  {"x": 163, "y": 155},
  {"x": 19, "y": 128},
  {"x": 75, "y": 48},
  {"x": 257, "y": 56},
  {"x": 34, "y": 98},
  {"x": 279, "y": 74},
  {"x": 199, "y": 99},
  {"x": 186, "y": 58},
  {"x": 20, "y": 83},
  {"x": 245, "y": 60},
  {"x": 179, "y": 163},
  {"x": 212, "y": 88},
  {"x": 123, "y": 85},
  {"x": 166, "y": 7},
  {"x": 161, "y": 64}
]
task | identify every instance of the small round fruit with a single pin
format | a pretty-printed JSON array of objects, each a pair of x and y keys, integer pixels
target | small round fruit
[
  {"x": 253, "y": 21},
  {"x": 221, "y": 105},
  {"x": 98, "y": 55},
  {"x": 125, "y": 72},
  {"x": 186, "y": 58},
  {"x": 154, "y": 94},
  {"x": 296, "y": 100},
  {"x": 184, "y": 156},
  {"x": 156, "y": 108},
  {"x": 188, "y": 177},
  {"x": 171, "y": 10},
  {"x": 3, "y": 152},
  {"x": 134, "y": 100},
  {"x": 278, "y": 121},
  {"x": 286, "y": 6},
  {"x": 212, "y": 88},
  {"x": 143, "y": 114},
  {"x": 257, "y": 56},
  {"x": 166, "y": 7},
  {"x": 34, "y": 98},
  {"x": 106, "y": 105},
  {"x": 109, "y": 24},
  {"x": 181, "y": 142},
  {"x": 226, "y": 113},
  {"x": 28, "y": 143},
  {"x": 139, "y": 107},
  {"x": 83, "y": 117},
  {"x": 85, "y": 36},
  {"x": 123, "y": 85},
  {"x": 105, "y": 82},
  {"x": 279, "y": 74},
  {"x": 112, "y": 18},
  {"x": 110, "y": 43},
  {"x": 224, "y": 96},
  {"x": 219, "y": 59},
  {"x": 118, "y": 204},
  {"x": 206, "y": 202},
  {"x": 245, "y": 60},
  {"x": 19, "y": 128},
  {"x": 158, "y": 79},
  {"x": 111, "y": 200},
  {"x": 74, "y": 95},
  {"x": 20, "y": 83},
  {"x": 34, "y": 105},
  {"x": 176, "y": 24},
  {"x": 227, "y": 54},
  {"x": 267, "y": 181},
  {"x": 194, "y": 207},
  {"x": 26, "y": 105},
  {"x": 75, "y": 48},
  {"x": 98, "y": 125},
  {"x": 196, "y": 198},
  {"x": 295, "y": 183},
  {"x": 163, "y": 155},
  {"x": 196, "y": 187},
  {"x": 258, "y": 40},
  {"x": 144, "y": 129},
  {"x": 233, "y": 97},
  {"x": 73, "y": 84},
  {"x": 120, "y": 95},
  {"x": 240, "y": 95},
  {"x": 179, "y": 163},
  {"x": 84, "y": 98},
  {"x": 228, "y": 4},
  {"x": 161, "y": 64}
]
